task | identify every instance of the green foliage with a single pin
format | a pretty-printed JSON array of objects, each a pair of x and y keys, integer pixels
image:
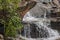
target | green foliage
[{"x": 12, "y": 22}]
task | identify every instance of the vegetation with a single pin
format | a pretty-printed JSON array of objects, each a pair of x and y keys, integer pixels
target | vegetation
[{"x": 9, "y": 17}]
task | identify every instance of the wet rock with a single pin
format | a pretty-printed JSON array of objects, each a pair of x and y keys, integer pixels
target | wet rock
[
  {"x": 58, "y": 39},
  {"x": 1, "y": 37},
  {"x": 55, "y": 25}
]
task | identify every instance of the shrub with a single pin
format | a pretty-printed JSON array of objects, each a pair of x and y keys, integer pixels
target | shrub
[{"x": 10, "y": 18}]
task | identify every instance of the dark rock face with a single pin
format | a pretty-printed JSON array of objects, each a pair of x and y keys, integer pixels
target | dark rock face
[
  {"x": 1, "y": 29},
  {"x": 55, "y": 25},
  {"x": 34, "y": 33},
  {"x": 37, "y": 32}
]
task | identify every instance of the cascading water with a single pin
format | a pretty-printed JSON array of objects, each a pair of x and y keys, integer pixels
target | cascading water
[{"x": 40, "y": 25}]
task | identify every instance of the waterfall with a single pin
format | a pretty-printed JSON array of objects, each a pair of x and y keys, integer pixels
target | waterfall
[
  {"x": 27, "y": 30},
  {"x": 37, "y": 25},
  {"x": 43, "y": 26}
]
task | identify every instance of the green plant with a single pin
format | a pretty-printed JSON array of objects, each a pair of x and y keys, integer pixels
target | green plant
[{"x": 10, "y": 19}]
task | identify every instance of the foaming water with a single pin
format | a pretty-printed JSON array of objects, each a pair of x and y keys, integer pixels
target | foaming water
[
  {"x": 44, "y": 30},
  {"x": 50, "y": 38}
]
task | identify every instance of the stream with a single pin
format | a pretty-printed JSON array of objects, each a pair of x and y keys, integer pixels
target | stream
[{"x": 38, "y": 25}]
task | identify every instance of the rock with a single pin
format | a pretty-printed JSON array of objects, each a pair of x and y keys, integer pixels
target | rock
[
  {"x": 58, "y": 39},
  {"x": 1, "y": 37}
]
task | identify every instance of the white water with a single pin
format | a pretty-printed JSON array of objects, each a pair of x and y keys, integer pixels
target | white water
[
  {"x": 51, "y": 38},
  {"x": 42, "y": 24},
  {"x": 34, "y": 16}
]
